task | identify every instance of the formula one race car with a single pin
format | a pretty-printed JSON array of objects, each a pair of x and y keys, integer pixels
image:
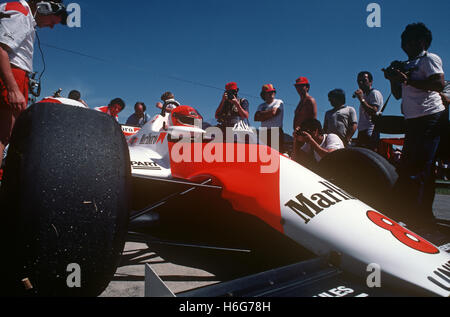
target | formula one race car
[{"x": 74, "y": 186}]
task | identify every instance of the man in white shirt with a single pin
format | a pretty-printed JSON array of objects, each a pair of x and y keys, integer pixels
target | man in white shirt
[
  {"x": 371, "y": 103},
  {"x": 341, "y": 120},
  {"x": 271, "y": 114},
  {"x": 17, "y": 32},
  {"x": 418, "y": 84},
  {"x": 317, "y": 144}
]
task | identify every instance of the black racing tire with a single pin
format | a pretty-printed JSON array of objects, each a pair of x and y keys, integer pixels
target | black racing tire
[
  {"x": 362, "y": 173},
  {"x": 65, "y": 200}
]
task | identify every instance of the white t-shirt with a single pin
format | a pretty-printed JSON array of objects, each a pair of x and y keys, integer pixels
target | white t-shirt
[
  {"x": 374, "y": 98},
  {"x": 18, "y": 33},
  {"x": 417, "y": 102},
  {"x": 330, "y": 142},
  {"x": 274, "y": 122}
]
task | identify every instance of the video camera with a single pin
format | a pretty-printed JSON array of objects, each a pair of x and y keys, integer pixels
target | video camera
[{"x": 395, "y": 66}]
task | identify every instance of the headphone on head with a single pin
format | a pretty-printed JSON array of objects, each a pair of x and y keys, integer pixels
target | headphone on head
[{"x": 50, "y": 7}]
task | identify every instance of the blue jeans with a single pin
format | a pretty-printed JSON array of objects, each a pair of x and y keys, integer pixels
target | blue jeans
[{"x": 416, "y": 169}]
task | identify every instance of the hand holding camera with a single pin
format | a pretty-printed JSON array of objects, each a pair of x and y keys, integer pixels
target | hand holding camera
[
  {"x": 398, "y": 72},
  {"x": 231, "y": 95},
  {"x": 302, "y": 135}
]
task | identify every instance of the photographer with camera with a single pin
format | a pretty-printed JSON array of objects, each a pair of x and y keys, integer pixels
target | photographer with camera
[
  {"x": 17, "y": 33},
  {"x": 418, "y": 82},
  {"x": 233, "y": 111},
  {"x": 371, "y": 102},
  {"x": 317, "y": 144}
]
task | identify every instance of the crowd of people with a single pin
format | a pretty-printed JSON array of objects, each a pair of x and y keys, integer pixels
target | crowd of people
[{"x": 419, "y": 82}]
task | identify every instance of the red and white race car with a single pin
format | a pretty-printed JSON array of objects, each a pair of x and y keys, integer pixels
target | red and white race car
[{"x": 74, "y": 186}]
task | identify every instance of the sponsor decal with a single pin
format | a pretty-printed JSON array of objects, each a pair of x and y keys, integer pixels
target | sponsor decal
[
  {"x": 441, "y": 277},
  {"x": 153, "y": 138},
  {"x": 133, "y": 140},
  {"x": 402, "y": 234},
  {"x": 129, "y": 131},
  {"x": 340, "y": 291},
  {"x": 145, "y": 166},
  {"x": 308, "y": 208}
]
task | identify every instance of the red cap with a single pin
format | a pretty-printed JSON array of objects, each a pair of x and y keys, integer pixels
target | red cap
[
  {"x": 301, "y": 81},
  {"x": 268, "y": 88},
  {"x": 231, "y": 86}
]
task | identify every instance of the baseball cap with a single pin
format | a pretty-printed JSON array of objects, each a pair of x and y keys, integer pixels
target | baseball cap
[
  {"x": 231, "y": 86},
  {"x": 301, "y": 81},
  {"x": 268, "y": 88}
]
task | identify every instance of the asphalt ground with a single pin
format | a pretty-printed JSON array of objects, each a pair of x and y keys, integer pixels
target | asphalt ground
[{"x": 187, "y": 268}]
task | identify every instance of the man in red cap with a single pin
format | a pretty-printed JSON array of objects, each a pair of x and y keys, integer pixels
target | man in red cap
[
  {"x": 306, "y": 109},
  {"x": 270, "y": 114},
  {"x": 233, "y": 111}
]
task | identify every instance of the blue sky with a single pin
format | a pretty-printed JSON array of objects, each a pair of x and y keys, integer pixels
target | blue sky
[{"x": 140, "y": 49}]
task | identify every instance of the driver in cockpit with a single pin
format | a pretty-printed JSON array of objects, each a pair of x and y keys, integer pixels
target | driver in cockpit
[{"x": 169, "y": 101}]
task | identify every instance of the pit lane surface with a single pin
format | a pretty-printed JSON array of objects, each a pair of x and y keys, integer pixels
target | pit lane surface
[{"x": 185, "y": 268}]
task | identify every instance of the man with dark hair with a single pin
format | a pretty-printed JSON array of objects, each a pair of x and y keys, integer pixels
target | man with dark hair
[
  {"x": 76, "y": 95},
  {"x": 371, "y": 102},
  {"x": 17, "y": 33},
  {"x": 342, "y": 119},
  {"x": 139, "y": 117},
  {"x": 114, "y": 108},
  {"x": 418, "y": 83},
  {"x": 317, "y": 144}
]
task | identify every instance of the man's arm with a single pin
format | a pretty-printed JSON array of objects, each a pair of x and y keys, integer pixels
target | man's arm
[
  {"x": 353, "y": 127},
  {"x": 266, "y": 115},
  {"x": 243, "y": 113},
  {"x": 435, "y": 82},
  {"x": 371, "y": 109},
  {"x": 445, "y": 99},
  {"x": 311, "y": 104},
  {"x": 321, "y": 151},
  {"x": 15, "y": 97},
  {"x": 222, "y": 102},
  {"x": 396, "y": 78},
  {"x": 351, "y": 132}
]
